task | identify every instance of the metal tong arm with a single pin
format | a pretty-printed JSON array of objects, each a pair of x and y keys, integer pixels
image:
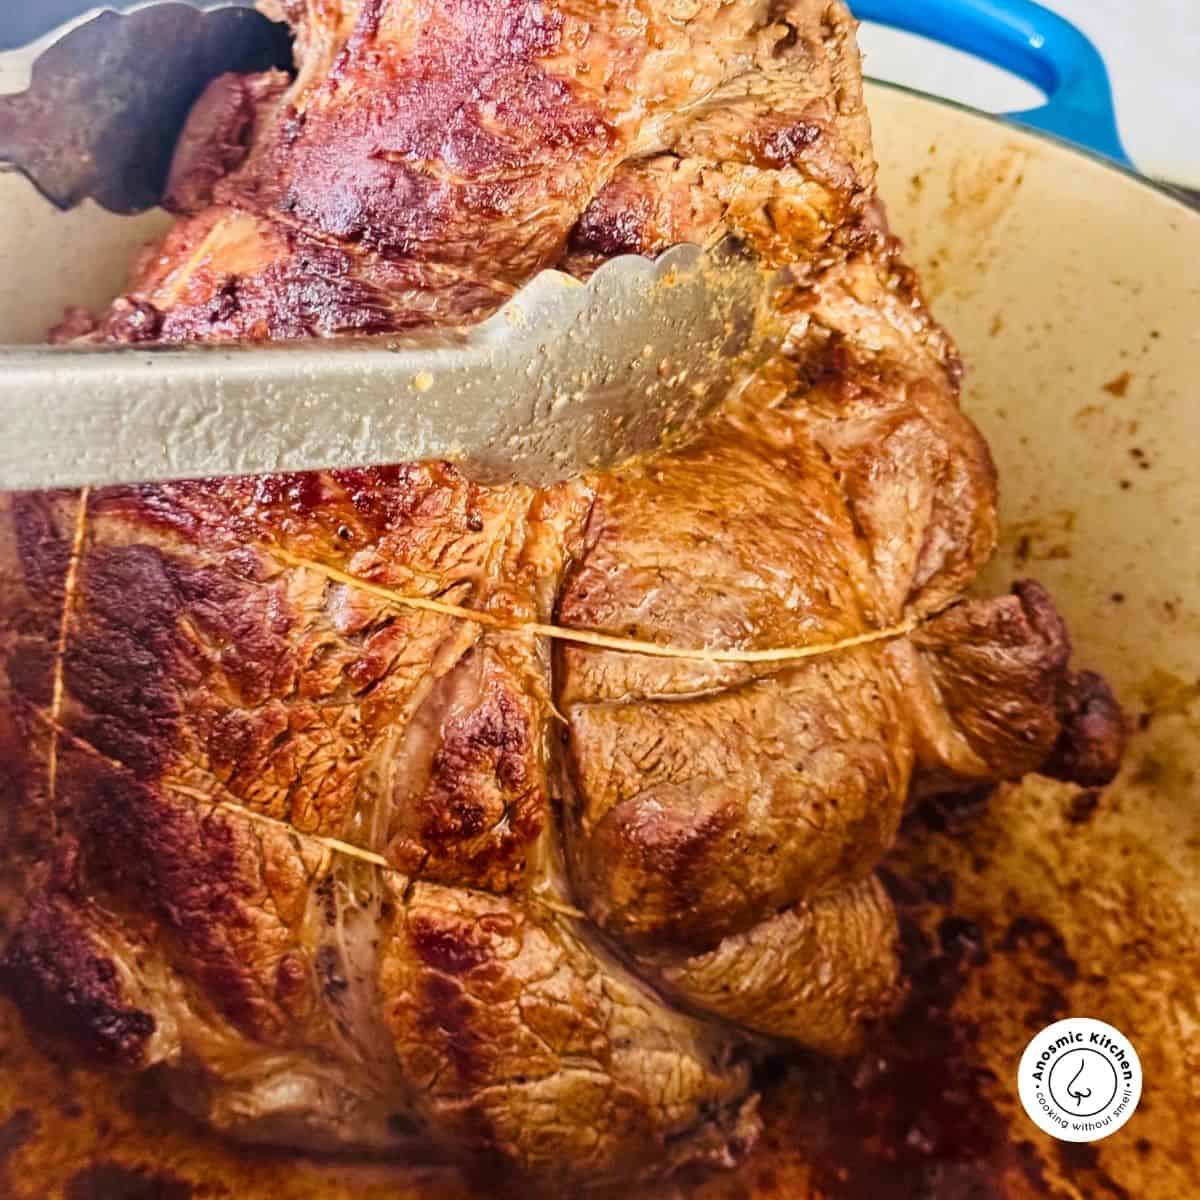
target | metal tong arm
[{"x": 564, "y": 377}]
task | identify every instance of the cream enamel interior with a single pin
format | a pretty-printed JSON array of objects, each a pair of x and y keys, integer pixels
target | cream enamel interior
[{"x": 1074, "y": 293}]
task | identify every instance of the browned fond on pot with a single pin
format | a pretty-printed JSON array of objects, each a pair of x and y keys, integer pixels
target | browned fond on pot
[{"x": 1002, "y": 949}]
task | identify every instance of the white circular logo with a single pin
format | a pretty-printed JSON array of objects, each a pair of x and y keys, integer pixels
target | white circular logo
[{"x": 1080, "y": 1080}]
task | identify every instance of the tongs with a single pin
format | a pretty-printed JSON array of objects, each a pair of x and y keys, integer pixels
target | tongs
[
  {"x": 568, "y": 377},
  {"x": 95, "y": 106}
]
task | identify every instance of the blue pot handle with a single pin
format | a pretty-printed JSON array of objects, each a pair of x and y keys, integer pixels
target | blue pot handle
[{"x": 1031, "y": 42}]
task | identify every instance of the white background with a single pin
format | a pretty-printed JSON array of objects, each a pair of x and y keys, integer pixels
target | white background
[{"x": 1152, "y": 48}]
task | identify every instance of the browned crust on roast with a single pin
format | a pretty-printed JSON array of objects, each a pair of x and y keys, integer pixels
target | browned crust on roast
[
  {"x": 473, "y": 816},
  {"x": 997, "y": 665},
  {"x": 496, "y": 1012},
  {"x": 361, "y": 876},
  {"x": 66, "y": 988},
  {"x": 1091, "y": 745},
  {"x": 167, "y": 862},
  {"x": 709, "y": 805},
  {"x": 823, "y": 973},
  {"x": 217, "y": 136},
  {"x": 408, "y": 152},
  {"x": 702, "y": 818}
]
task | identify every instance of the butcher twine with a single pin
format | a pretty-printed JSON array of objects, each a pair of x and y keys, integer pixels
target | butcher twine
[
  {"x": 587, "y": 637},
  {"x": 583, "y": 637}
]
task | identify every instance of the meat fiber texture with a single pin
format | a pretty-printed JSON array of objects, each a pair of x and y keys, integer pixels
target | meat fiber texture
[{"x": 349, "y": 875}]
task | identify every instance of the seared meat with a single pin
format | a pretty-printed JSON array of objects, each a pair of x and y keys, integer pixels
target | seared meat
[
  {"x": 432, "y": 157},
  {"x": 354, "y": 875}
]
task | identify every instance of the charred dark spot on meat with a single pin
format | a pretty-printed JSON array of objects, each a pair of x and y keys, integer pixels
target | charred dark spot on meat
[
  {"x": 378, "y": 172},
  {"x": 227, "y": 513},
  {"x": 30, "y": 628},
  {"x": 781, "y": 143},
  {"x": 611, "y": 229},
  {"x": 497, "y": 732},
  {"x": 475, "y": 816},
  {"x": 657, "y": 859},
  {"x": 16, "y": 1131},
  {"x": 30, "y": 665},
  {"x": 126, "y": 661},
  {"x": 673, "y": 842},
  {"x": 316, "y": 292},
  {"x": 110, "y": 1181},
  {"x": 447, "y": 944},
  {"x": 65, "y": 987},
  {"x": 159, "y": 853},
  {"x": 248, "y": 636},
  {"x": 1091, "y": 747},
  {"x": 454, "y": 818},
  {"x": 43, "y": 543},
  {"x": 450, "y": 1019},
  {"x": 329, "y": 971}
]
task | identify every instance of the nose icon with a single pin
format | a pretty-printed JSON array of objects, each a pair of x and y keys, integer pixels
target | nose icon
[{"x": 1079, "y": 1095}]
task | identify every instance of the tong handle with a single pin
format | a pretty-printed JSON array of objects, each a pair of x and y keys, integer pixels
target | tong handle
[
  {"x": 107, "y": 102},
  {"x": 21, "y": 24}
]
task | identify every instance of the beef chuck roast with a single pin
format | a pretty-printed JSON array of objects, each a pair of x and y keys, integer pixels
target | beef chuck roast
[{"x": 357, "y": 876}]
